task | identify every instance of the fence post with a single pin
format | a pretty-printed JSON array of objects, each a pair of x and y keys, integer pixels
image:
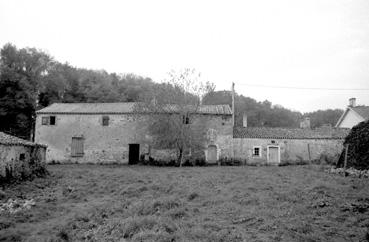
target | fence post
[{"x": 345, "y": 163}]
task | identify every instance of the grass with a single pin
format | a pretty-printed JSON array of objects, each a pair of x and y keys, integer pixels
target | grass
[{"x": 140, "y": 203}]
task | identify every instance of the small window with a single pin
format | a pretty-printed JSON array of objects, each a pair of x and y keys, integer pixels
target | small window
[
  {"x": 77, "y": 147},
  {"x": 22, "y": 156},
  {"x": 185, "y": 119},
  {"x": 52, "y": 120},
  {"x": 256, "y": 151},
  {"x": 45, "y": 120},
  {"x": 105, "y": 121}
]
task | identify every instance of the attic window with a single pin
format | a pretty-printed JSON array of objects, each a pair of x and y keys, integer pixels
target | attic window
[
  {"x": 256, "y": 151},
  {"x": 105, "y": 121}
]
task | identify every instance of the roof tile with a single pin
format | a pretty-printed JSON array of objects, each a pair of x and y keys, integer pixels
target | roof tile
[
  {"x": 6, "y": 139},
  {"x": 289, "y": 133},
  {"x": 121, "y": 108}
]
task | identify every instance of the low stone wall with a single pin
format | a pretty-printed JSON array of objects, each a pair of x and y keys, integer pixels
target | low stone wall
[{"x": 18, "y": 161}]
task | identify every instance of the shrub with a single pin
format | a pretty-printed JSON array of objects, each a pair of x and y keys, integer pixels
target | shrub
[
  {"x": 224, "y": 161},
  {"x": 358, "y": 151}
]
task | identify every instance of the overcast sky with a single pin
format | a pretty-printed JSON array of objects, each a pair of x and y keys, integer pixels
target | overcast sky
[{"x": 304, "y": 44}]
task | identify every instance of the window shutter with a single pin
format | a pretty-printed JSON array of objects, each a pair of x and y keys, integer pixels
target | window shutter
[{"x": 77, "y": 147}]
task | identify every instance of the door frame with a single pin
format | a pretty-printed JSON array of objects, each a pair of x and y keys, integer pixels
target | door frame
[{"x": 279, "y": 152}]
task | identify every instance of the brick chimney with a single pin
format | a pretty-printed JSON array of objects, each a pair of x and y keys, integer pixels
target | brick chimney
[
  {"x": 244, "y": 120},
  {"x": 352, "y": 102},
  {"x": 305, "y": 124}
]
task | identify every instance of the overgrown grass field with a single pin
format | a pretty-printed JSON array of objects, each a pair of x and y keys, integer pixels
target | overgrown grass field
[{"x": 139, "y": 203}]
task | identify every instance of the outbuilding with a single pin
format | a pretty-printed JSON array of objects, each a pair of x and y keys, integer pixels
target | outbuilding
[
  {"x": 18, "y": 157},
  {"x": 263, "y": 145}
]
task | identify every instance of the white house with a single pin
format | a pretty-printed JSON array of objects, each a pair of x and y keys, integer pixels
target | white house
[{"x": 353, "y": 115}]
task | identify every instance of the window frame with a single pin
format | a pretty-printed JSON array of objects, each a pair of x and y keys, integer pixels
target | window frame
[
  {"x": 259, "y": 151},
  {"x": 45, "y": 120}
]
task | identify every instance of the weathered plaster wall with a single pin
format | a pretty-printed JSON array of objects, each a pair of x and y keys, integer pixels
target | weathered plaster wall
[
  {"x": 10, "y": 158},
  {"x": 107, "y": 144},
  {"x": 290, "y": 149}
]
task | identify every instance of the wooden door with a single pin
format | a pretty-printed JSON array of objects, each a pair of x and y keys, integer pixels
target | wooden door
[
  {"x": 273, "y": 154},
  {"x": 212, "y": 154}
]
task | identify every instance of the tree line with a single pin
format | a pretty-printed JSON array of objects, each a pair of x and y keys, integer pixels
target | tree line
[{"x": 31, "y": 79}]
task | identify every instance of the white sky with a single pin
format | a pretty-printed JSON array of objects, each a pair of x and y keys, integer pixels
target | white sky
[{"x": 311, "y": 43}]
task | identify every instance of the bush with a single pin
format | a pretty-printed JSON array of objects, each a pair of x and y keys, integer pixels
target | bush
[
  {"x": 188, "y": 162},
  {"x": 230, "y": 162},
  {"x": 358, "y": 151}
]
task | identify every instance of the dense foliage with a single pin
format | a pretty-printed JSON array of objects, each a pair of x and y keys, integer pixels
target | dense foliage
[
  {"x": 264, "y": 114},
  {"x": 358, "y": 147}
]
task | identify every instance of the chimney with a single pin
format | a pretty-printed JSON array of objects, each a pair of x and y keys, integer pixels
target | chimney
[
  {"x": 352, "y": 102},
  {"x": 305, "y": 124},
  {"x": 244, "y": 120}
]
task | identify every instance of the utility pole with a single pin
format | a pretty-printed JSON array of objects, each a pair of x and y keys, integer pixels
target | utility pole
[{"x": 233, "y": 121}]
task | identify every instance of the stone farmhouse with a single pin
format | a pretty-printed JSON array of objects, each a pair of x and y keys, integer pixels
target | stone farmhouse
[
  {"x": 112, "y": 133},
  {"x": 19, "y": 156},
  {"x": 353, "y": 115}
]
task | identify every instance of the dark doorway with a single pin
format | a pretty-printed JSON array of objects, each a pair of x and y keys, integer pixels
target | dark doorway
[{"x": 134, "y": 153}]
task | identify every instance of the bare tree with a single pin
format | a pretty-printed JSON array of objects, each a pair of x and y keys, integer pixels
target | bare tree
[{"x": 173, "y": 107}]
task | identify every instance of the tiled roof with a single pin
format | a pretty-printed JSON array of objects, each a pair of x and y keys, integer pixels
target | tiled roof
[
  {"x": 121, "y": 108},
  {"x": 6, "y": 139},
  {"x": 289, "y": 133},
  {"x": 363, "y": 111}
]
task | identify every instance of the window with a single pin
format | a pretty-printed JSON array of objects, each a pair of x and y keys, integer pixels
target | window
[
  {"x": 22, "y": 156},
  {"x": 185, "y": 119},
  {"x": 48, "y": 120},
  {"x": 52, "y": 120},
  {"x": 77, "y": 147},
  {"x": 105, "y": 121},
  {"x": 256, "y": 151},
  {"x": 45, "y": 121}
]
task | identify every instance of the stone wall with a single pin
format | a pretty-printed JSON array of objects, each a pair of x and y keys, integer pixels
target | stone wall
[
  {"x": 110, "y": 144},
  {"x": 291, "y": 150},
  {"x": 11, "y": 161}
]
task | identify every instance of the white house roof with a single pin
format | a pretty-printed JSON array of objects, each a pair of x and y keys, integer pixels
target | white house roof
[
  {"x": 362, "y": 111},
  {"x": 122, "y": 108}
]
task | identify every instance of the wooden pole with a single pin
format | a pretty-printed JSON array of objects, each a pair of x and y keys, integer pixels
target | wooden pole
[
  {"x": 345, "y": 164},
  {"x": 309, "y": 153},
  {"x": 233, "y": 108}
]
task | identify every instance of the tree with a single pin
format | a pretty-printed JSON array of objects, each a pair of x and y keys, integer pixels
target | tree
[
  {"x": 358, "y": 147},
  {"x": 324, "y": 117},
  {"x": 173, "y": 106},
  {"x": 21, "y": 71}
]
